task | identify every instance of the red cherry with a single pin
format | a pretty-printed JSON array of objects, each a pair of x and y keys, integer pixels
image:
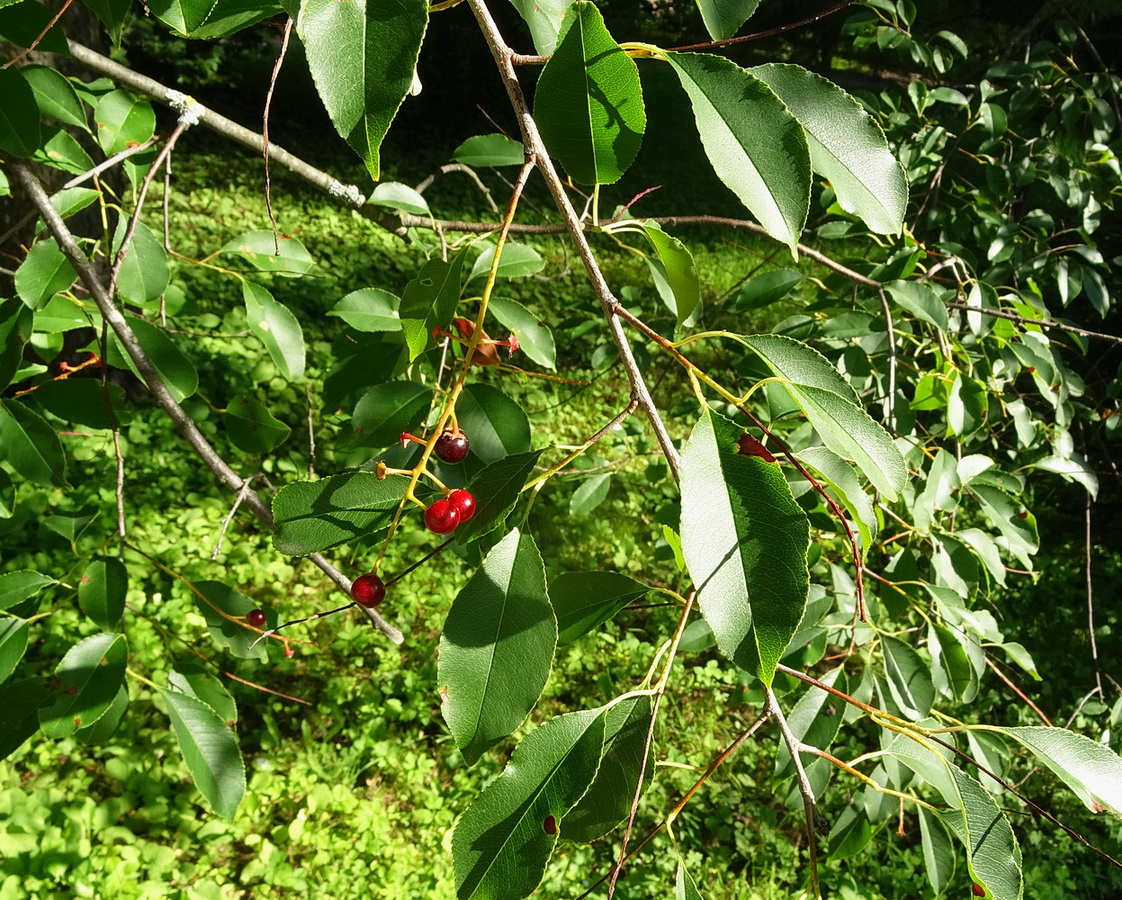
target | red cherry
[
  {"x": 256, "y": 618},
  {"x": 368, "y": 590},
  {"x": 464, "y": 503},
  {"x": 442, "y": 517},
  {"x": 452, "y": 446}
]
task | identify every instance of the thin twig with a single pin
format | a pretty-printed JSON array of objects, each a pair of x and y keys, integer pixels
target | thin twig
[
  {"x": 1016, "y": 690},
  {"x": 1024, "y": 320},
  {"x": 120, "y": 490},
  {"x": 1087, "y": 563},
  {"x": 265, "y": 130},
  {"x": 42, "y": 34},
  {"x": 311, "y": 434},
  {"x": 890, "y": 404},
  {"x": 466, "y": 170}
]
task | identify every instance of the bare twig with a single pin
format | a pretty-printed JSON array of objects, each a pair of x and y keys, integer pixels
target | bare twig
[
  {"x": 1091, "y": 595},
  {"x": 265, "y": 130},
  {"x": 1024, "y": 320},
  {"x": 466, "y": 170},
  {"x": 120, "y": 490}
]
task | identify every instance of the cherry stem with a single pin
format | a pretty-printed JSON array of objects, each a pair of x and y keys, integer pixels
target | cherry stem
[{"x": 424, "y": 559}]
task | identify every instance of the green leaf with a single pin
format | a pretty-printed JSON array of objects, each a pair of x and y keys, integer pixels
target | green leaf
[
  {"x": 938, "y": 853},
  {"x": 846, "y": 145},
  {"x": 30, "y": 446},
  {"x": 429, "y": 301},
  {"x": 112, "y": 14},
  {"x": 144, "y": 273},
  {"x": 498, "y": 426},
  {"x": 501, "y": 845},
  {"x": 544, "y": 17},
  {"x": 122, "y": 121},
  {"x": 959, "y": 656},
  {"x": 7, "y": 496},
  {"x": 496, "y": 489},
  {"x": 609, "y": 798},
  {"x": 68, "y": 201},
  {"x": 517, "y": 261},
  {"x": 399, "y": 196},
  {"x": 921, "y": 301},
  {"x": 102, "y": 591},
  {"x": 218, "y": 603},
  {"x": 490, "y": 150},
  {"x": 590, "y": 494},
  {"x": 589, "y": 102},
  {"x": 842, "y": 480},
  {"x": 25, "y": 24},
  {"x": 812, "y": 722},
  {"x": 16, "y": 322},
  {"x": 909, "y": 678},
  {"x": 684, "y": 887},
  {"x": 315, "y": 515},
  {"x": 534, "y": 337},
  {"x": 369, "y": 310},
  {"x": 19, "y": 116},
  {"x": 62, "y": 151},
  {"x": 362, "y": 56},
  {"x": 763, "y": 290},
  {"x": 586, "y": 600},
  {"x": 677, "y": 267},
  {"x": 267, "y": 252},
  {"x": 86, "y": 682},
  {"x": 497, "y": 647},
  {"x": 1017, "y": 525},
  {"x": 755, "y": 145},
  {"x": 276, "y": 328},
  {"x": 207, "y": 19},
  {"x": 386, "y": 410},
  {"x": 1092, "y": 770},
  {"x": 210, "y": 750},
  {"x": 55, "y": 96},
  {"x": 190, "y": 678},
  {"x": 44, "y": 272},
  {"x": 176, "y": 370},
  {"x": 13, "y": 644},
  {"x": 251, "y": 427},
  {"x": 745, "y": 542},
  {"x": 723, "y": 18},
  {"x": 85, "y": 401},
  {"x": 20, "y": 702},
  {"x": 104, "y": 728}
]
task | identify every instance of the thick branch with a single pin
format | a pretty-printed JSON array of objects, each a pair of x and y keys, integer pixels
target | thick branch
[{"x": 155, "y": 382}]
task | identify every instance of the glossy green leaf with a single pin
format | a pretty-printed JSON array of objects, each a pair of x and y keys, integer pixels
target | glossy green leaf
[
  {"x": 544, "y": 18},
  {"x": 106, "y": 725},
  {"x": 846, "y": 145},
  {"x": 177, "y": 371},
  {"x": 16, "y": 322},
  {"x": 909, "y": 677},
  {"x": 112, "y": 14},
  {"x": 590, "y": 493},
  {"x": 30, "y": 446},
  {"x": 20, "y": 702},
  {"x": 386, "y": 410},
  {"x": 496, "y": 489},
  {"x": 842, "y": 481},
  {"x": 497, "y": 647},
  {"x": 684, "y": 886},
  {"x": 13, "y": 643},
  {"x": 85, "y": 401},
  {"x": 584, "y": 601},
  {"x": 102, "y": 591},
  {"x": 498, "y": 426},
  {"x": 1016, "y": 524},
  {"x": 68, "y": 201},
  {"x": 267, "y": 252},
  {"x": 362, "y": 56},
  {"x": 1092, "y": 770},
  {"x": 393, "y": 195},
  {"x": 938, "y": 853},
  {"x": 763, "y": 290},
  {"x": 745, "y": 542},
  {"x": 71, "y": 525},
  {"x": 967, "y": 402},
  {"x": 534, "y": 337},
  {"x": 921, "y": 301},
  {"x": 370, "y": 310},
  {"x": 490, "y": 150},
  {"x": 19, "y": 116},
  {"x": 86, "y": 681},
  {"x": 958, "y": 657},
  {"x": 429, "y": 301},
  {"x": 251, "y": 427},
  {"x": 501, "y": 845},
  {"x": 190, "y": 678},
  {"x": 799, "y": 364},
  {"x": 589, "y": 102},
  {"x": 210, "y": 750},
  {"x": 221, "y": 606},
  {"x": 208, "y": 19},
  {"x": 277, "y": 328},
  {"x": 55, "y": 95},
  {"x": 755, "y": 145},
  {"x": 123, "y": 121},
  {"x": 608, "y": 800},
  {"x": 677, "y": 267},
  {"x": 517, "y": 261},
  {"x": 44, "y": 272},
  {"x": 144, "y": 273},
  {"x": 314, "y": 515},
  {"x": 62, "y": 151}
]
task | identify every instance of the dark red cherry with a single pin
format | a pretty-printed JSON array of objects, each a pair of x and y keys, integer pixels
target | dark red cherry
[
  {"x": 442, "y": 517},
  {"x": 464, "y": 503},
  {"x": 256, "y": 618},
  {"x": 368, "y": 590},
  {"x": 452, "y": 446}
]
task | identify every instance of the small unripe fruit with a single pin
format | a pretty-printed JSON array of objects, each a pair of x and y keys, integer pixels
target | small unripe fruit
[
  {"x": 256, "y": 618},
  {"x": 452, "y": 446},
  {"x": 464, "y": 503},
  {"x": 442, "y": 517},
  {"x": 368, "y": 590}
]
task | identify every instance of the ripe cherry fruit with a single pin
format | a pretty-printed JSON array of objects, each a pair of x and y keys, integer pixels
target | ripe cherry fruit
[
  {"x": 442, "y": 517},
  {"x": 368, "y": 590},
  {"x": 452, "y": 446},
  {"x": 464, "y": 503},
  {"x": 256, "y": 618}
]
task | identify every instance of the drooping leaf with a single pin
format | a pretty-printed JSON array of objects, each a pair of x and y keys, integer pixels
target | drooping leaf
[
  {"x": 106, "y": 725},
  {"x": 369, "y": 309},
  {"x": 497, "y": 647},
  {"x": 208, "y": 19},
  {"x": 763, "y": 290},
  {"x": 1092, "y": 770},
  {"x": 755, "y": 145},
  {"x": 846, "y": 145},
  {"x": 498, "y": 426},
  {"x": 30, "y": 445},
  {"x": 959, "y": 657},
  {"x": 938, "y": 853},
  {"x": 388, "y": 409},
  {"x": 123, "y": 121},
  {"x": 144, "y": 273},
  {"x": 85, "y": 401},
  {"x": 210, "y": 749},
  {"x": 55, "y": 95},
  {"x": 586, "y": 600},
  {"x": 13, "y": 644},
  {"x": 176, "y": 370},
  {"x": 16, "y": 322},
  {"x": 589, "y": 102},
  {"x": 745, "y": 541},
  {"x": 267, "y": 252},
  {"x": 534, "y": 337},
  {"x": 44, "y": 272},
  {"x": 504, "y": 840},
  {"x": 1016, "y": 524},
  {"x": 189, "y": 677},
  {"x": 921, "y": 301},
  {"x": 277, "y": 328},
  {"x": 62, "y": 151},
  {"x": 677, "y": 267},
  {"x": 252, "y": 428},
  {"x": 490, "y": 150},
  {"x": 590, "y": 494},
  {"x": 102, "y": 591},
  {"x": 684, "y": 886},
  {"x": 909, "y": 677},
  {"x": 841, "y": 478},
  {"x": 86, "y": 681},
  {"x": 112, "y": 14},
  {"x": 544, "y": 18},
  {"x": 430, "y": 301},
  {"x": 496, "y": 489},
  {"x": 19, "y": 116},
  {"x": 315, "y": 515},
  {"x": 362, "y": 55}
]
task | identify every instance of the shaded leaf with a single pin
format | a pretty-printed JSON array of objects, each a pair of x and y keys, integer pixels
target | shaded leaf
[
  {"x": 102, "y": 592},
  {"x": 386, "y": 410},
  {"x": 55, "y": 95},
  {"x": 210, "y": 750},
  {"x": 276, "y": 328},
  {"x": 44, "y": 272},
  {"x": 86, "y": 681},
  {"x": 15, "y": 587},
  {"x": 19, "y": 116},
  {"x": 30, "y": 446},
  {"x": 498, "y": 426},
  {"x": 430, "y": 301},
  {"x": 314, "y": 515},
  {"x": 586, "y": 600},
  {"x": 16, "y": 322},
  {"x": 176, "y": 370},
  {"x": 1092, "y": 770},
  {"x": 252, "y": 428},
  {"x": 220, "y": 606},
  {"x": 763, "y": 290},
  {"x": 909, "y": 677},
  {"x": 20, "y": 702},
  {"x": 122, "y": 121},
  {"x": 13, "y": 644},
  {"x": 190, "y": 678},
  {"x": 144, "y": 273},
  {"x": 496, "y": 489}
]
